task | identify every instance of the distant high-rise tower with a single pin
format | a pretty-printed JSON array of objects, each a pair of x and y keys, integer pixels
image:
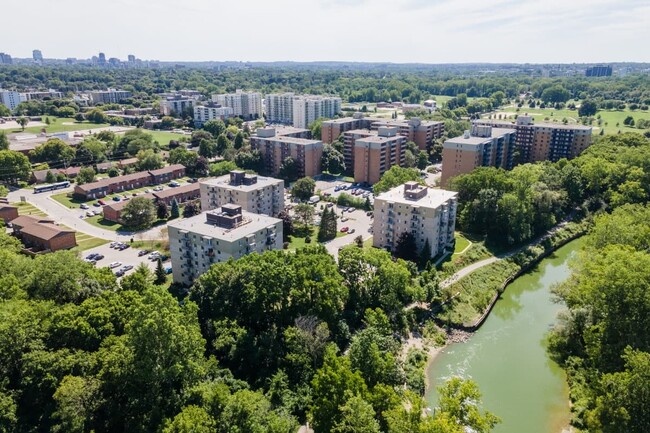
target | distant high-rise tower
[
  {"x": 5, "y": 59},
  {"x": 131, "y": 58},
  {"x": 37, "y": 55},
  {"x": 102, "y": 58}
]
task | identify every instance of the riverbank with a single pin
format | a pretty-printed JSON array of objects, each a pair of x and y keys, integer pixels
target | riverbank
[
  {"x": 525, "y": 259},
  {"x": 507, "y": 356}
]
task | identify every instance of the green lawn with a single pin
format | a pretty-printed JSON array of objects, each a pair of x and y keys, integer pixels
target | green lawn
[
  {"x": 163, "y": 137},
  {"x": 25, "y": 208},
  {"x": 86, "y": 242},
  {"x": 299, "y": 242},
  {"x": 99, "y": 221},
  {"x": 153, "y": 245},
  {"x": 461, "y": 243},
  {"x": 609, "y": 117},
  {"x": 57, "y": 125}
]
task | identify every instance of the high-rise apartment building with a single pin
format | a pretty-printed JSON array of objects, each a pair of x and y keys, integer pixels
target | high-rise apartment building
[
  {"x": 110, "y": 96},
  {"x": 377, "y": 153},
  {"x": 599, "y": 71},
  {"x": 5, "y": 59},
  {"x": 279, "y": 108},
  {"x": 300, "y": 110},
  {"x": 308, "y": 108},
  {"x": 9, "y": 99},
  {"x": 278, "y": 145},
  {"x": 215, "y": 236},
  {"x": 428, "y": 214},
  {"x": 256, "y": 194},
  {"x": 421, "y": 132},
  {"x": 545, "y": 141},
  {"x": 37, "y": 55},
  {"x": 176, "y": 105},
  {"x": 248, "y": 105},
  {"x": 484, "y": 146},
  {"x": 203, "y": 113}
]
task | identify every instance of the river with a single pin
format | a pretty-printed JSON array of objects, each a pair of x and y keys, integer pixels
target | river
[{"x": 507, "y": 356}]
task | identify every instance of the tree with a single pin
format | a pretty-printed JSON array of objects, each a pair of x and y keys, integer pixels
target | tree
[
  {"x": 200, "y": 135},
  {"x": 149, "y": 160},
  {"x": 113, "y": 172},
  {"x": 289, "y": 169},
  {"x": 4, "y": 141},
  {"x": 208, "y": 149},
  {"x": 396, "y": 176},
  {"x": 139, "y": 213},
  {"x": 96, "y": 116},
  {"x": 332, "y": 160},
  {"x": 86, "y": 175},
  {"x": 303, "y": 189},
  {"x": 223, "y": 143},
  {"x": 174, "y": 212},
  {"x": 53, "y": 151},
  {"x": 327, "y": 227},
  {"x": 79, "y": 117},
  {"x": 406, "y": 248},
  {"x": 15, "y": 166},
  {"x": 215, "y": 127},
  {"x": 239, "y": 140},
  {"x": 161, "y": 275},
  {"x": 162, "y": 210},
  {"x": 252, "y": 160},
  {"x": 50, "y": 177},
  {"x": 190, "y": 209},
  {"x": 305, "y": 213},
  {"x": 192, "y": 419},
  {"x": 629, "y": 121},
  {"x": 555, "y": 94},
  {"x": 460, "y": 402},
  {"x": 167, "y": 122},
  {"x": 334, "y": 383},
  {"x": 423, "y": 160},
  {"x": 287, "y": 225},
  {"x": 357, "y": 416},
  {"x": 76, "y": 399},
  {"x": 222, "y": 167},
  {"x": 425, "y": 254},
  {"x": 315, "y": 128},
  {"x": 588, "y": 107},
  {"x": 22, "y": 121}
]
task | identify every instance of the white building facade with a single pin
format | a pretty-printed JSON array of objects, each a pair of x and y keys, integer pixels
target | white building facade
[
  {"x": 204, "y": 113},
  {"x": 248, "y": 105},
  {"x": 10, "y": 99}
]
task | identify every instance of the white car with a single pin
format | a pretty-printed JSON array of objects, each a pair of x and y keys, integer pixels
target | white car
[
  {"x": 114, "y": 264},
  {"x": 154, "y": 255},
  {"x": 84, "y": 206}
]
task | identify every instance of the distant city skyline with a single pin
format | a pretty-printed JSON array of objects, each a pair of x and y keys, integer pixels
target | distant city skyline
[{"x": 397, "y": 31}]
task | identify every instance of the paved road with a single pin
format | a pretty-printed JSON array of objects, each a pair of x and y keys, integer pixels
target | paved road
[
  {"x": 70, "y": 217},
  {"x": 357, "y": 220}
]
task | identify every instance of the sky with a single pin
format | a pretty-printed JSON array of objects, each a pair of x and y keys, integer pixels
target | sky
[{"x": 398, "y": 31}]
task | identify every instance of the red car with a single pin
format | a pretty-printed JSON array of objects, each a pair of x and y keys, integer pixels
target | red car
[
  {"x": 344, "y": 229},
  {"x": 102, "y": 202}
]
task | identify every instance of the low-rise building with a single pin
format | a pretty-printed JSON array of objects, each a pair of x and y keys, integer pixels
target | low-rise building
[
  {"x": 41, "y": 234},
  {"x": 483, "y": 146},
  {"x": 181, "y": 194},
  {"x": 215, "y": 236},
  {"x": 377, "y": 153},
  {"x": 8, "y": 212},
  {"x": 428, "y": 214},
  {"x": 276, "y": 148},
  {"x": 256, "y": 194},
  {"x": 111, "y": 185}
]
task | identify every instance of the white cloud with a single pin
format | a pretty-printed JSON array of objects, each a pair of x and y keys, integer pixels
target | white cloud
[{"x": 430, "y": 31}]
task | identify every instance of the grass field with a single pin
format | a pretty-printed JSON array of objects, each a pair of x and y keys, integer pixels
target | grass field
[
  {"x": 461, "y": 243},
  {"x": 25, "y": 208},
  {"x": 163, "y": 137},
  {"x": 609, "y": 117},
  {"x": 57, "y": 125},
  {"x": 299, "y": 242},
  {"x": 86, "y": 242},
  {"x": 153, "y": 245}
]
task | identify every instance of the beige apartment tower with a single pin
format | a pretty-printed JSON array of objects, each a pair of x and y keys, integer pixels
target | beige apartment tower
[
  {"x": 255, "y": 194},
  {"x": 215, "y": 236},
  {"x": 276, "y": 148},
  {"x": 429, "y": 214}
]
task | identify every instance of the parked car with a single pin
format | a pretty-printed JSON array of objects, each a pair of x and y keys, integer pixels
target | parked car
[
  {"x": 97, "y": 212},
  {"x": 98, "y": 257},
  {"x": 101, "y": 202},
  {"x": 96, "y": 204},
  {"x": 192, "y": 180},
  {"x": 114, "y": 264},
  {"x": 174, "y": 184},
  {"x": 147, "y": 191},
  {"x": 84, "y": 206},
  {"x": 119, "y": 273},
  {"x": 351, "y": 231},
  {"x": 154, "y": 255},
  {"x": 344, "y": 229},
  {"x": 126, "y": 268},
  {"x": 123, "y": 247},
  {"x": 89, "y": 213},
  {"x": 116, "y": 198},
  {"x": 158, "y": 188},
  {"x": 91, "y": 256},
  {"x": 344, "y": 219},
  {"x": 113, "y": 244},
  {"x": 330, "y": 204},
  {"x": 168, "y": 270},
  {"x": 351, "y": 209},
  {"x": 143, "y": 253}
]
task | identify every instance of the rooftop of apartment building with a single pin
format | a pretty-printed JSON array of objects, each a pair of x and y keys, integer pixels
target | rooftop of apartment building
[
  {"x": 480, "y": 136},
  {"x": 528, "y": 121},
  {"x": 278, "y": 130},
  {"x": 414, "y": 194},
  {"x": 206, "y": 223},
  {"x": 243, "y": 181}
]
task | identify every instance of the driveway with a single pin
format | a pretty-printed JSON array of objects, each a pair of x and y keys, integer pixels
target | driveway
[
  {"x": 70, "y": 217},
  {"x": 357, "y": 220},
  {"x": 126, "y": 257}
]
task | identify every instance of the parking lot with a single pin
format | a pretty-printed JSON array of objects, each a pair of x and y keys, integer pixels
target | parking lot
[{"x": 128, "y": 256}]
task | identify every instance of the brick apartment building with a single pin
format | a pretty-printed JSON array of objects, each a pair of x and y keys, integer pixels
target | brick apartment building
[
  {"x": 483, "y": 146},
  {"x": 41, "y": 234},
  {"x": 277, "y": 145},
  {"x": 377, "y": 153},
  {"x": 8, "y": 212},
  {"x": 103, "y": 187},
  {"x": 113, "y": 211}
]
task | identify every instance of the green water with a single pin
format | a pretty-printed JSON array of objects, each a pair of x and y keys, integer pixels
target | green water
[{"x": 507, "y": 355}]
